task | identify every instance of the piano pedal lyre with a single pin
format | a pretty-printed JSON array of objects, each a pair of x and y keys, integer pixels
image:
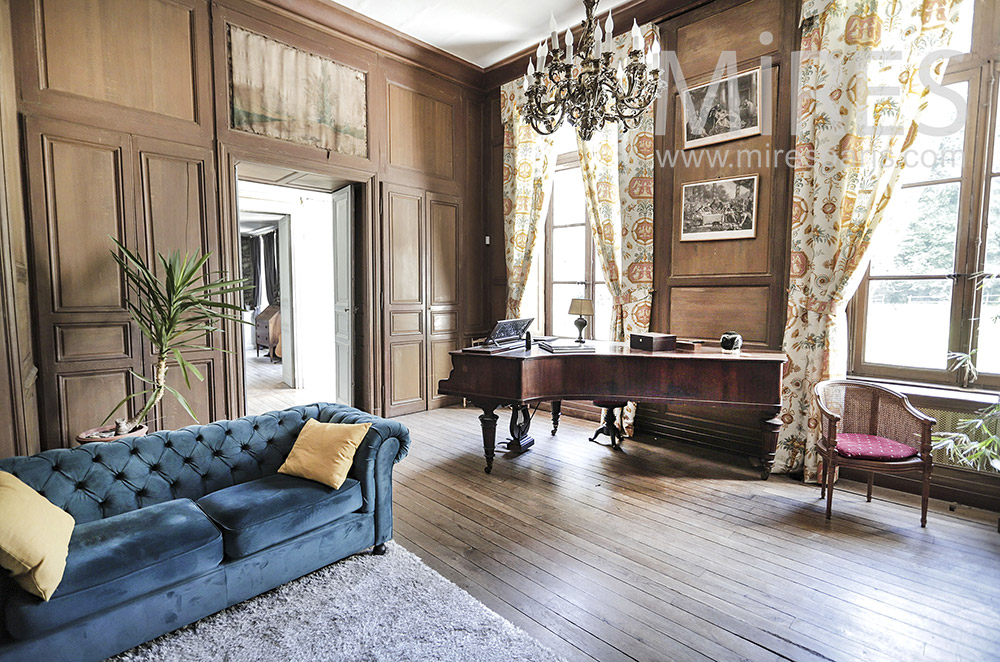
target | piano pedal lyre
[
  {"x": 520, "y": 422},
  {"x": 610, "y": 426}
]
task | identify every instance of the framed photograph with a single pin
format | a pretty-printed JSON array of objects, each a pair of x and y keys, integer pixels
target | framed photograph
[
  {"x": 719, "y": 209},
  {"x": 722, "y": 110}
]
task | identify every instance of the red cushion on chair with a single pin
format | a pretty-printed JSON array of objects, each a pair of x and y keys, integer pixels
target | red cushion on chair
[{"x": 870, "y": 447}]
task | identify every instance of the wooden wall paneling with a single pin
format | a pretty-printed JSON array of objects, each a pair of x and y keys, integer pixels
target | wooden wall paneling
[
  {"x": 405, "y": 291},
  {"x": 444, "y": 218},
  {"x": 80, "y": 191},
  {"x": 496, "y": 268},
  {"x": 84, "y": 398},
  {"x": 708, "y": 312},
  {"x": 295, "y": 33},
  {"x": 140, "y": 66},
  {"x": 202, "y": 397},
  {"x": 424, "y": 129},
  {"x": 176, "y": 205},
  {"x": 473, "y": 251},
  {"x": 18, "y": 374},
  {"x": 739, "y": 284},
  {"x": 740, "y": 262},
  {"x": 421, "y": 132}
]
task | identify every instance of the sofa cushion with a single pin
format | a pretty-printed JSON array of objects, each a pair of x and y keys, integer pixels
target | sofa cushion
[
  {"x": 116, "y": 559},
  {"x": 265, "y": 512}
]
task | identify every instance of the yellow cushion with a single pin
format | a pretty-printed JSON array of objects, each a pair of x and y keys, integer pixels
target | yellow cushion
[
  {"x": 324, "y": 451},
  {"x": 34, "y": 537}
]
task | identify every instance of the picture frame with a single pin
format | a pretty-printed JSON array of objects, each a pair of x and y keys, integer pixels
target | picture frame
[
  {"x": 719, "y": 209},
  {"x": 283, "y": 92},
  {"x": 720, "y": 121}
]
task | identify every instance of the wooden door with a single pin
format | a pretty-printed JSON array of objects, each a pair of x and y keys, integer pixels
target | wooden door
[
  {"x": 404, "y": 299},
  {"x": 81, "y": 195},
  {"x": 444, "y": 214},
  {"x": 175, "y": 206},
  {"x": 18, "y": 374},
  {"x": 343, "y": 288}
]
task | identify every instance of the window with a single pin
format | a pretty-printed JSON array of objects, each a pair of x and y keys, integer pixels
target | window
[
  {"x": 565, "y": 265},
  {"x": 940, "y": 238}
]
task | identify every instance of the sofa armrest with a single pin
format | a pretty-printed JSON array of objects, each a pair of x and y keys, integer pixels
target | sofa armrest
[{"x": 387, "y": 442}]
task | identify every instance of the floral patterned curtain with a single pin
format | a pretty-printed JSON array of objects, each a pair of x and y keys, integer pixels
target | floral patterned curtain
[
  {"x": 617, "y": 169},
  {"x": 528, "y": 164},
  {"x": 859, "y": 98}
]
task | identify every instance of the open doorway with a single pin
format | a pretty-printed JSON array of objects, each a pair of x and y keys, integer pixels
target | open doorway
[{"x": 296, "y": 248}]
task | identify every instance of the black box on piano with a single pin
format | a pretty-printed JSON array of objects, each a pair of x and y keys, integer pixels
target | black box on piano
[{"x": 654, "y": 342}]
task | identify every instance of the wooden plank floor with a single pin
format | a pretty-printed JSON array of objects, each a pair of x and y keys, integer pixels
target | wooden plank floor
[{"x": 674, "y": 553}]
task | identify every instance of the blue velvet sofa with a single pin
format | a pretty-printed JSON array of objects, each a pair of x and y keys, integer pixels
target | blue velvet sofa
[{"x": 177, "y": 525}]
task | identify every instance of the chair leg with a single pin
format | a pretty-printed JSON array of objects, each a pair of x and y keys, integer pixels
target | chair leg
[
  {"x": 822, "y": 484},
  {"x": 871, "y": 479},
  {"x": 830, "y": 473},
  {"x": 924, "y": 498}
]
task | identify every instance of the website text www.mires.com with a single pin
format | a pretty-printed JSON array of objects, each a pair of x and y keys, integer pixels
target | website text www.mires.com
[{"x": 773, "y": 158}]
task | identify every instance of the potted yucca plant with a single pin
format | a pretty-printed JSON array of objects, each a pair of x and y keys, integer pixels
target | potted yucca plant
[{"x": 174, "y": 311}]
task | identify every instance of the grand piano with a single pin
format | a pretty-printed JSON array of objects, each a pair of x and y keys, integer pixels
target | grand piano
[{"x": 614, "y": 373}]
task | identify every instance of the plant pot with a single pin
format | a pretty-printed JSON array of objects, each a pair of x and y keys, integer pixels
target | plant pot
[{"x": 88, "y": 436}]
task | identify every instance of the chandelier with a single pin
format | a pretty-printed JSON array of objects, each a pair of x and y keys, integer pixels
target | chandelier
[{"x": 599, "y": 92}]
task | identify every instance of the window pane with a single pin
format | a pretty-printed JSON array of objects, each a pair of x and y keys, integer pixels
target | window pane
[
  {"x": 961, "y": 39},
  {"x": 993, "y": 231},
  {"x": 562, "y": 321},
  {"x": 564, "y": 140},
  {"x": 936, "y": 157},
  {"x": 602, "y": 312},
  {"x": 917, "y": 234},
  {"x": 988, "y": 356},
  {"x": 996, "y": 140},
  {"x": 908, "y": 323},
  {"x": 569, "y": 253},
  {"x": 568, "y": 201}
]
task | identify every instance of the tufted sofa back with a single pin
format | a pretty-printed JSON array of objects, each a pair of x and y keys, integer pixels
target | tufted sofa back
[{"x": 103, "y": 479}]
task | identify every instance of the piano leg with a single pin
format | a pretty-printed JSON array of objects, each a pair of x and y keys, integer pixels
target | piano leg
[
  {"x": 520, "y": 423},
  {"x": 488, "y": 420},
  {"x": 609, "y": 427},
  {"x": 771, "y": 425},
  {"x": 556, "y": 411}
]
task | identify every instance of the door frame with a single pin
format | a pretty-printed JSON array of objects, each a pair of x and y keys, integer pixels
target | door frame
[{"x": 368, "y": 366}]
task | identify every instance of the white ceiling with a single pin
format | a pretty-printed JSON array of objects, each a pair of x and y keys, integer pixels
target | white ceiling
[{"x": 483, "y": 32}]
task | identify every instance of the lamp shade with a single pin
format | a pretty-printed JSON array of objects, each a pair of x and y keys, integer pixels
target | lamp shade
[{"x": 581, "y": 307}]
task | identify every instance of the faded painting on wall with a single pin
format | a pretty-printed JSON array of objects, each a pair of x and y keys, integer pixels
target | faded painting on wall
[{"x": 285, "y": 93}]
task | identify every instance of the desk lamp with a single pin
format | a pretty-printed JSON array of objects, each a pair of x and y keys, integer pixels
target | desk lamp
[{"x": 581, "y": 307}]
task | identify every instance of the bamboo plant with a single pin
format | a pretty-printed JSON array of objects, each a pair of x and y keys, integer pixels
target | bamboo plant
[
  {"x": 174, "y": 311},
  {"x": 976, "y": 443}
]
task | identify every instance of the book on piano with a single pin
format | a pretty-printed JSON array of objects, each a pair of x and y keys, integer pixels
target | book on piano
[{"x": 565, "y": 346}]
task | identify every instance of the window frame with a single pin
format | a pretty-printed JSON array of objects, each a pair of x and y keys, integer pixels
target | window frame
[
  {"x": 981, "y": 69},
  {"x": 593, "y": 273}
]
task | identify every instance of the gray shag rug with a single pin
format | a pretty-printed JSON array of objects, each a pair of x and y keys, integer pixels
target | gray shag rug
[{"x": 365, "y": 608}]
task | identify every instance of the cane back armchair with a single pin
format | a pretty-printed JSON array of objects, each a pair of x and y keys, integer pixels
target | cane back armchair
[{"x": 869, "y": 427}]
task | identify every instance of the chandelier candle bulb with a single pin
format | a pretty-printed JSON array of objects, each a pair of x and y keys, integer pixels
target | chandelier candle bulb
[
  {"x": 636, "y": 36},
  {"x": 554, "y": 30},
  {"x": 569, "y": 46},
  {"x": 609, "y": 31},
  {"x": 598, "y": 39},
  {"x": 531, "y": 68}
]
